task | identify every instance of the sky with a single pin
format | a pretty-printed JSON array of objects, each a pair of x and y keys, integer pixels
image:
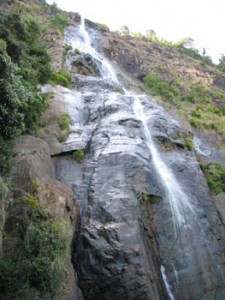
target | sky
[{"x": 202, "y": 20}]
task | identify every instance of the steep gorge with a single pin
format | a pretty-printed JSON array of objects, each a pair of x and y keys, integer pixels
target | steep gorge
[{"x": 147, "y": 226}]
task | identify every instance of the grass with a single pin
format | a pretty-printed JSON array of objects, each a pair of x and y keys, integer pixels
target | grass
[
  {"x": 64, "y": 124},
  {"x": 64, "y": 121},
  {"x": 201, "y": 106},
  {"x": 215, "y": 176}
]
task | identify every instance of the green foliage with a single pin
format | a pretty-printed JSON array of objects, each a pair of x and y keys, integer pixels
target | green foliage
[
  {"x": 188, "y": 143},
  {"x": 64, "y": 124},
  {"x": 215, "y": 176},
  {"x": 22, "y": 36},
  {"x": 5, "y": 151},
  {"x": 158, "y": 86},
  {"x": 23, "y": 64},
  {"x": 3, "y": 189},
  {"x": 153, "y": 199},
  {"x": 202, "y": 106},
  {"x": 33, "y": 268},
  {"x": 192, "y": 52},
  {"x": 221, "y": 64},
  {"x": 60, "y": 21},
  {"x": 62, "y": 77},
  {"x": 124, "y": 30},
  {"x": 78, "y": 155},
  {"x": 64, "y": 121},
  {"x": 21, "y": 103}
]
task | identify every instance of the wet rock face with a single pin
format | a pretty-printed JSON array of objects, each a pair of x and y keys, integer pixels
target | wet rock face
[
  {"x": 110, "y": 242},
  {"x": 79, "y": 63},
  {"x": 123, "y": 237}
]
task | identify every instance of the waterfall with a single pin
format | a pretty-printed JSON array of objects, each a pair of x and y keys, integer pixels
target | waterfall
[
  {"x": 178, "y": 201},
  {"x": 106, "y": 70},
  {"x": 168, "y": 288},
  {"x": 118, "y": 121}
]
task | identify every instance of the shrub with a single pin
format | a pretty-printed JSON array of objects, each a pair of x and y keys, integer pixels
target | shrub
[
  {"x": 64, "y": 121},
  {"x": 153, "y": 199},
  {"x": 62, "y": 77},
  {"x": 78, "y": 155},
  {"x": 21, "y": 103},
  {"x": 64, "y": 124},
  {"x": 5, "y": 151},
  {"x": 215, "y": 176},
  {"x": 60, "y": 21},
  {"x": 188, "y": 143},
  {"x": 33, "y": 268}
]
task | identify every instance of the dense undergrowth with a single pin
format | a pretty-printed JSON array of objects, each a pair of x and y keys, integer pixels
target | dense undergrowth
[
  {"x": 35, "y": 246},
  {"x": 34, "y": 241},
  {"x": 24, "y": 64}
]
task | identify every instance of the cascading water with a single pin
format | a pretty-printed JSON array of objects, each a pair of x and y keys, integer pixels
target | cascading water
[
  {"x": 111, "y": 259},
  {"x": 179, "y": 202}
]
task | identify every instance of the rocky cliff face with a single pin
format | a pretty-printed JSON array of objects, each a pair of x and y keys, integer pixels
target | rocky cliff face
[
  {"x": 138, "y": 57},
  {"x": 143, "y": 233}
]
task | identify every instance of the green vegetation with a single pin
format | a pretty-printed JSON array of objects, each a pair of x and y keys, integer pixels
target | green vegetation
[
  {"x": 59, "y": 20},
  {"x": 64, "y": 124},
  {"x": 64, "y": 121},
  {"x": 24, "y": 63},
  {"x": 32, "y": 266},
  {"x": 215, "y": 176},
  {"x": 188, "y": 143},
  {"x": 62, "y": 77},
  {"x": 153, "y": 199},
  {"x": 78, "y": 155},
  {"x": 161, "y": 87},
  {"x": 202, "y": 106}
]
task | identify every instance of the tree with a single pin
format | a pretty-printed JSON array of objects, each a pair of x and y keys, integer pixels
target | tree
[
  {"x": 221, "y": 64},
  {"x": 151, "y": 35},
  {"x": 21, "y": 103},
  {"x": 124, "y": 30}
]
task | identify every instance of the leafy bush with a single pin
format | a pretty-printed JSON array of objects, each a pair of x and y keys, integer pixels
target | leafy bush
[
  {"x": 60, "y": 21},
  {"x": 64, "y": 124},
  {"x": 21, "y": 103},
  {"x": 33, "y": 268},
  {"x": 64, "y": 121},
  {"x": 21, "y": 34},
  {"x": 215, "y": 176},
  {"x": 62, "y": 77},
  {"x": 188, "y": 143},
  {"x": 152, "y": 199},
  {"x": 78, "y": 155}
]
